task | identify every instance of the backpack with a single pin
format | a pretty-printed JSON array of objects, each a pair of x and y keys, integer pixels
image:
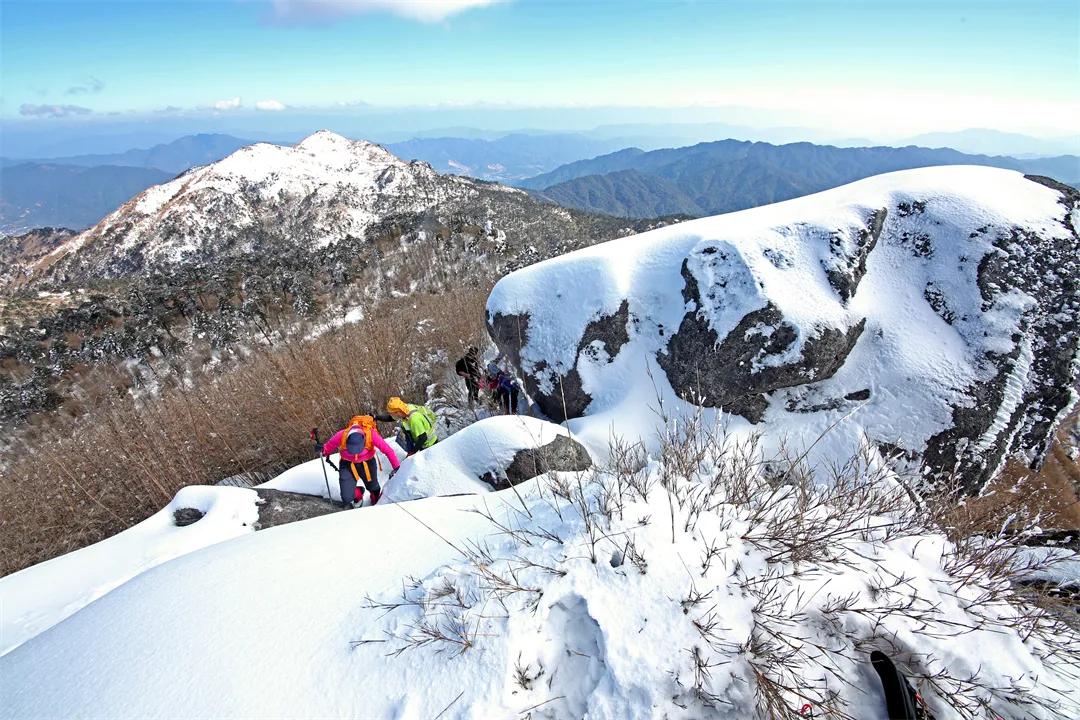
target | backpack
[
  {"x": 428, "y": 415},
  {"x": 365, "y": 423}
]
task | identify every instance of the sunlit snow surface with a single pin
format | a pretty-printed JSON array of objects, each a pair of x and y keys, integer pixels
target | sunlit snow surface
[
  {"x": 280, "y": 623},
  {"x": 915, "y": 364}
]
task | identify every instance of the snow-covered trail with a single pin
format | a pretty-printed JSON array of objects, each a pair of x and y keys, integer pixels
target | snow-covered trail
[
  {"x": 42, "y": 595},
  {"x": 288, "y": 642},
  {"x": 78, "y": 578}
]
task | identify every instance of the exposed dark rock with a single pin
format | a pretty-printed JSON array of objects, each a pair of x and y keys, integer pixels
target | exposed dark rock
[
  {"x": 917, "y": 207},
  {"x": 278, "y": 507},
  {"x": 1047, "y": 270},
  {"x": 609, "y": 330},
  {"x": 858, "y": 395},
  {"x": 751, "y": 407},
  {"x": 563, "y": 454},
  {"x": 937, "y": 301},
  {"x": 709, "y": 371},
  {"x": 850, "y": 257},
  {"x": 187, "y": 516},
  {"x": 567, "y": 399}
]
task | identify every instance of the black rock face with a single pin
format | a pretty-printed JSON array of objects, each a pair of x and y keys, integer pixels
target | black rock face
[
  {"x": 278, "y": 507},
  {"x": 563, "y": 454},
  {"x": 567, "y": 399},
  {"x": 187, "y": 516},
  {"x": 850, "y": 267},
  {"x": 722, "y": 372},
  {"x": 1046, "y": 270}
]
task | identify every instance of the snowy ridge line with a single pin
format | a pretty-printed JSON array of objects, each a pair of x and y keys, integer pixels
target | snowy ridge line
[{"x": 906, "y": 292}]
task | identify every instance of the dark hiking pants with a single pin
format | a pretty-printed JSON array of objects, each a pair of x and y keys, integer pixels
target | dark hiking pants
[
  {"x": 349, "y": 473},
  {"x": 474, "y": 390}
]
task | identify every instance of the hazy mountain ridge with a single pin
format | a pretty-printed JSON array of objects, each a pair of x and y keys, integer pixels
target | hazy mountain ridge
[
  {"x": 732, "y": 175},
  {"x": 510, "y": 157},
  {"x": 35, "y": 195},
  {"x": 174, "y": 157}
]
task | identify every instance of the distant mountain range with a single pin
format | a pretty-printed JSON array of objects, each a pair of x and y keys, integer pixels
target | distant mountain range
[
  {"x": 508, "y": 158},
  {"x": 718, "y": 177},
  {"x": 35, "y": 195},
  {"x": 173, "y": 157},
  {"x": 77, "y": 191},
  {"x": 995, "y": 142}
]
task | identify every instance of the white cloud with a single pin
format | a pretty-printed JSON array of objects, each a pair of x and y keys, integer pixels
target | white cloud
[
  {"x": 227, "y": 104},
  {"x": 54, "y": 111},
  {"x": 422, "y": 10},
  {"x": 269, "y": 105}
]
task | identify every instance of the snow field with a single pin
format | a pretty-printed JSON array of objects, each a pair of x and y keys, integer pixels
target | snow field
[
  {"x": 40, "y": 596},
  {"x": 917, "y": 366},
  {"x": 694, "y": 581}
]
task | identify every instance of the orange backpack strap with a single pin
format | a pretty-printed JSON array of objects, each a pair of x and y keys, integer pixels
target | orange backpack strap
[{"x": 367, "y": 422}]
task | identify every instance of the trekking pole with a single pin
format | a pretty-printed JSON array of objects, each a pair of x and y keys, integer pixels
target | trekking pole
[{"x": 318, "y": 451}]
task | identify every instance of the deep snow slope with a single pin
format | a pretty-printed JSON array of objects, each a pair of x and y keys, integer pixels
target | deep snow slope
[
  {"x": 931, "y": 313},
  {"x": 454, "y": 466},
  {"x": 595, "y": 595}
]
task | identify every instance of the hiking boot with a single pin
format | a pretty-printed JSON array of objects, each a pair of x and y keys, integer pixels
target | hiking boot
[{"x": 375, "y": 497}]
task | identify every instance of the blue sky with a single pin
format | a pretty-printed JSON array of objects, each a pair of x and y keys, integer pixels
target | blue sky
[{"x": 855, "y": 66}]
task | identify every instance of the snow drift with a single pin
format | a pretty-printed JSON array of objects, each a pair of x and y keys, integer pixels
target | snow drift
[
  {"x": 455, "y": 466},
  {"x": 661, "y": 588},
  {"x": 690, "y": 572},
  {"x": 936, "y": 307}
]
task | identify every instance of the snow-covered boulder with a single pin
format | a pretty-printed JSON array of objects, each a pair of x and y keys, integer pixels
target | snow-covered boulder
[
  {"x": 937, "y": 307},
  {"x": 496, "y": 451}
]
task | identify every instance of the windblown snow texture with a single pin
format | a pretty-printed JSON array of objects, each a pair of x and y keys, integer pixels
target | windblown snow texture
[{"x": 936, "y": 307}]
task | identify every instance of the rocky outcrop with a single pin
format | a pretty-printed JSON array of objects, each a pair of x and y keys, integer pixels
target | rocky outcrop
[
  {"x": 938, "y": 310},
  {"x": 562, "y": 396},
  {"x": 734, "y": 371},
  {"x": 563, "y": 454},
  {"x": 278, "y": 507}
]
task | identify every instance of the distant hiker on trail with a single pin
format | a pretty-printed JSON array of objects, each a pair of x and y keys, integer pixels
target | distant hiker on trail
[
  {"x": 357, "y": 443},
  {"x": 468, "y": 367},
  {"x": 417, "y": 424},
  {"x": 504, "y": 389}
]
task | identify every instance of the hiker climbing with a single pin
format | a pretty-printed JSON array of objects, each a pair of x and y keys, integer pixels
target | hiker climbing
[
  {"x": 359, "y": 467},
  {"x": 468, "y": 367},
  {"x": 504, "y": 389},
  {"x": 417, "y": 424}
]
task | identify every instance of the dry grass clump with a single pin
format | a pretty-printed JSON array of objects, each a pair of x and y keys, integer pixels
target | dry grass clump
[
  {"x": 823, "y": 559},
  {"x": 77, "y": 480}
]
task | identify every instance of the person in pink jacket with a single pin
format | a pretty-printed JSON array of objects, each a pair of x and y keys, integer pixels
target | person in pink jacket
[{"x": 356, "y": 443}]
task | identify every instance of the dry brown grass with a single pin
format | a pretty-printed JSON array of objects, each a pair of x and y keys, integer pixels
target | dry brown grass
[
  {"x": 83, "y": 478},
  {"x": 1048, "y": 495}
]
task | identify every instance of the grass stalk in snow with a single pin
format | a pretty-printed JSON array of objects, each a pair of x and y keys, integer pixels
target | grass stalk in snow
[{"x": 772, "y": 585}]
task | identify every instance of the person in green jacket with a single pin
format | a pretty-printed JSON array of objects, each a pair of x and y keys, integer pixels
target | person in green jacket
[{"x": 417, "y": 424}]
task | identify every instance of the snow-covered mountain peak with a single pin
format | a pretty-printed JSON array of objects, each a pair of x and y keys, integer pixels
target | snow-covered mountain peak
[
  {"x": 324, "y": 140},
  {"x": 325, "y": 188}
]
